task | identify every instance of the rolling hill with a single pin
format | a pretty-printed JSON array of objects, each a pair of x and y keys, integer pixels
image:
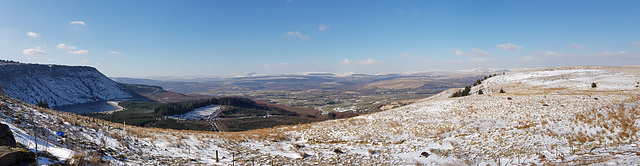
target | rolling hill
[{"x": 547, "y": 116}]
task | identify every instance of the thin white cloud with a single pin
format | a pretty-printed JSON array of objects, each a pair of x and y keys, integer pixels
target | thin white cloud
[
  {"x": 78, "y": 52},
  {"x": 34, "y": 51},
  {"x": 77, "y": 23},
  {"x": 368, "y": 62},
  {"x": 282, "y": 64},
  {"x": 542, "y": 52},
  {"x": 65, "y": 47},
  {"x": 323, "y": 27},
  {"x": 508, "y": 46},
  {"x": 405, "y": 54},
  {"x": 574, "y": 45},
  {"x": 114, "y": 52},
  {"x": 602, "y": 54},
  {"x": 551, "y": 53},
  {"x": 460, "y": 52},
  {"x": 297, "y": 35},
  {"x": 477, "y": 59},
  {"x": 33, "y": 34},
  {"x": 637, "y": 43},
  {"x": 480, "y": 52},
  {"x": 526, "y": 58},
  {"x": 453, "y": 61},
  {"x": 346, "y": 61},
  {"x": 365, "y": 62},
  {"x": 610, "y": 54},
  {"x": 72, "y": 49}
]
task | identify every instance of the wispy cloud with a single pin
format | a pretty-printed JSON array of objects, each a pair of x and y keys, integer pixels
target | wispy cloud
[
  {"x": 33, "y": 34},
  {"x": 282, "y": 64},
  {"x": 574, "y": 45},
  {"x": 297, "y": 34},
  {"x": 72, "y": 49},
  {"x": 508, "y": 46},
  {"x": 480, "y": 52},
  {"x": 346, "y": 61},
  {"x": 542, "y": 52},
  {"x": 637, "y": 43},
  {"x": 65, "y": 47},
  {"x": 34, "y": 51},
  {"x": 453, "y": 61},
  {"x": 405, "y": 54},
  {"x": 78, "y": 52},
  {"x": 526, "y": 58},
  {"x": 369, "y": 62},
  {"x": 610, "y": 54},
  {"x": 323, "y": 27},
  {"x": 114, "y": 52},
  {"x": 362, "y": 62},
  {"x": 474, "y": 51},
  {"x": 460, "y": 52},
  {"x": 77, "y": 23},
  {"x": 477, "y": 59},
  {"x": 620, "y": 54}
]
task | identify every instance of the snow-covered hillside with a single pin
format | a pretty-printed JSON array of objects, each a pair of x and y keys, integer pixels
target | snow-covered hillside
[
  {"x": 58, "y": 85},
  {"x": 547, "y": 116}
]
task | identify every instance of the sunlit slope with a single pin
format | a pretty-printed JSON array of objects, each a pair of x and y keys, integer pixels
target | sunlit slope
[{"x": 546, "y": 116}]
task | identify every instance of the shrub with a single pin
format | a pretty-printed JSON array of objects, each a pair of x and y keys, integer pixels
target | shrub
[
  {"x": 461, "y": 93},
  {"x": 594, "y": 85},
  {"x": 43, "y": 104},
  {"x": 502, "y": 91},
  {"x": 331, "y": 115}
]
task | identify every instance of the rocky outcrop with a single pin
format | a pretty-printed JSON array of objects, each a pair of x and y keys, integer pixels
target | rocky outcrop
[
  {"x": 14, "y": 156},
  {"x": 58, "y": 85},
  {"x": 9, "y": 154},
  {"x": 6, "y": 136}
]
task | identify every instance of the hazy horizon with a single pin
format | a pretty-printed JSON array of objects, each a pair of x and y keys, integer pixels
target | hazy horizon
[{"x": 141, "y": 39}]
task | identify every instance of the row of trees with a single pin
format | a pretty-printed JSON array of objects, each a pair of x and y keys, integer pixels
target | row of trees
[
  {"x": 479, "y": 81},
  {"x": 461, "y": 93},
  {"x": 467, "y": 89}
]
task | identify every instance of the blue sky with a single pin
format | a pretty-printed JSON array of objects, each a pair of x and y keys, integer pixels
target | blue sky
[{"x": 207, "y": 38}]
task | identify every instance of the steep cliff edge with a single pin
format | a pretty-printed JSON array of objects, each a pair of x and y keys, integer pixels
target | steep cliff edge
[{"x": 58, "y": 85}]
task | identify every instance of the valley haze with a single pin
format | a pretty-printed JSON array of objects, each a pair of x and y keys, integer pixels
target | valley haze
[{"x": 201, "y": 38}]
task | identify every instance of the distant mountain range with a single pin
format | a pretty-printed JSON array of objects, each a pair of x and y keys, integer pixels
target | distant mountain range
[
  {"x": 319, "y": 74},
  {"x": 304, "y": 81}
]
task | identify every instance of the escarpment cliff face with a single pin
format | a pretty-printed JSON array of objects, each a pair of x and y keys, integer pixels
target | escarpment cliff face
[{"x": 58, "y": 85}]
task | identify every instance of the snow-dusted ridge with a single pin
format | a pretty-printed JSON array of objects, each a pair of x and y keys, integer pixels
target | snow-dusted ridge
[
  {"x": 547, "y": 116},
  {"x": 58, "y": 85}
]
